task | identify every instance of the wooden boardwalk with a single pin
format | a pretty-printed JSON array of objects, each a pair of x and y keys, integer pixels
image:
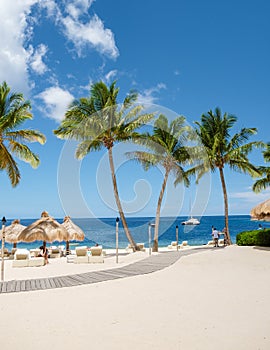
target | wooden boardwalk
[{"x": 148, "y": 265}]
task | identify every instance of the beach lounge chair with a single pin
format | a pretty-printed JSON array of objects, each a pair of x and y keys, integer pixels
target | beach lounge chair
[
  {"x": 37, "y": 261},
  {"x": 12, "y": 253},
  {"x": 184, "y": 244},
  {"x": 34, "y": 252},
  {"x": 21, "y": 258},
  {"x": 6, "y": 253},
  {"x": 141, "y": 247},
  {"x": 81, "y": 255},
  {"x": 221, "y": 242},
  {"x": 96, "y": 255},
  {"x": 173, "y": 245},
  {"x": 54, "y": 252}
]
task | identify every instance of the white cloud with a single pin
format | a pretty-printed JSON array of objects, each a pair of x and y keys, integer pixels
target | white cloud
[
  {"x": 80, "y": 32},
  {"x": 36, "y": 57},
  {"x": 92, "y": 33},
  {"x": 17, "y": 28},
  {"x": 79, "y": 7},
  {"x": 149, "y": 96},
  {"x": 251, "y": 196},
  {"x": 14, "y": 31},
  {"x": 110, "y": 75},
  {"x": 56, "y": 101}
]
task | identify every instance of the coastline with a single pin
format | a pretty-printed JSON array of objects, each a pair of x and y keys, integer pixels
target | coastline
[{"x": 216, "y": 298}]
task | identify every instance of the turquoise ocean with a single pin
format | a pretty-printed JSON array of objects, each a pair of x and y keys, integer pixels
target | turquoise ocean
[{"x": 102, "y": 230}]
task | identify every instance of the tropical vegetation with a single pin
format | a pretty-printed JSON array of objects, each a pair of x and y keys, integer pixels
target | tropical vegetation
[
  {"x": 255, "y": 237},
  {"x": 14, "y": 111},
  {"x": 263, "y": 182},
  {"x": 224, "y": 148},
  {"x": 98, "y": 121},
  {"x": 166, "y": 148}
]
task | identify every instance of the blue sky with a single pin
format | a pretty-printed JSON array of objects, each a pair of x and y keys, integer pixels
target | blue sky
[{"x": 184, "y": 56}]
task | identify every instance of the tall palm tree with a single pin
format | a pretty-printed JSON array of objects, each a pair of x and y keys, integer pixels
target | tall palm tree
[
  {"x": 167, "y": 149},
  {"x": 98, "y": 121},
  {"x": 14, "y": 111},
  {"x": 223, "y": 148},
  {"x": 264, "y": 182}
]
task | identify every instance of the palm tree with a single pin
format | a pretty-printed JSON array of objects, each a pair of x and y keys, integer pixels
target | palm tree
[
  {"x": 264, "y": 182},
  {"x": 221, "y": 148},
  {"x": 97, "y": 121},
  {"x": 167, "y": 149},
  {"x": 14, "y": 111}
]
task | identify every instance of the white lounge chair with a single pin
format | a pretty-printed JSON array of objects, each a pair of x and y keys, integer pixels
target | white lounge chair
[
  {"x": 184, "y": 244},
  {"x": 37, "y": 261},
  {"x": 21, "y": 258},
  {"x": 96, "y": 255},
  {"x": 55, "y": 252},
  {"x": 81, "y": 255},
  {"x": 172, "y": 245}
]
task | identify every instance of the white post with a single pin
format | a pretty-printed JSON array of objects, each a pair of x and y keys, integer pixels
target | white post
[
  {"x": 149, "y": 238},
  {"x": 116, "y": 239},
  {"x": 176, "y": 233},
  {"x": 3, "y": 246}
]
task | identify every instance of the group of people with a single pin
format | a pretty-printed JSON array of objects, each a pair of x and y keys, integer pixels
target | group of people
[
  {"x": 43, "y": 252},
  {"x": 216, "y": 235}
]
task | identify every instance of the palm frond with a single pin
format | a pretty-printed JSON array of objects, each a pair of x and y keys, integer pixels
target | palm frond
[
  {"x": 86, "y": 147},
  {"x": 261, "y": 184},
  {"x": 146, "y": 159},
  {"x": 24, "y": 153},
  {"x": 8, "y": 163},
  {"x": 26, "y": 135}
]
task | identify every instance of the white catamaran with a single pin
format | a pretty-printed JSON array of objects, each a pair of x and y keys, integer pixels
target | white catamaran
[{"x": 191, "y": 220}]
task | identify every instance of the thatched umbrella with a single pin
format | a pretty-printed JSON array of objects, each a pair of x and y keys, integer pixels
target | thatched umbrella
[
  {"x": 45, "y": 229},
  {"x": 261, "y": 211},
  {"x": 12, "y": 232},
  {"x": 74, "y": 231}
]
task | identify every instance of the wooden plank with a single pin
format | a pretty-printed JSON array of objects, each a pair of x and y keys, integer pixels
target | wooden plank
[
  {"x": 79, "y": 280},
  {"x": 18, "y": 286},
  {"x": 5, "y": 287},
  {"x": 68, "y": 282},
  {"x": 42, "y": 283},
  {"x": 33, "y": 284},
  {"x": 11, "y": 286},
  {"x": 47, "y": 283},
  {"x": 23, "y": 285},
  {"x": 52, "y": 283},
  {"x": 38, "y": 283},
  {"x": 27, "y": 285},
  {"x": 71, "y": 281}
]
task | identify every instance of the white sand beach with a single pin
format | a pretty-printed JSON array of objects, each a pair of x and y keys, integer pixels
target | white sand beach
[{"x": 214, "y": 299}]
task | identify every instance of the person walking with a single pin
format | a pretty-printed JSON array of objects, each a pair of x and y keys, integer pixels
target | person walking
[{"x": 215, "y": 235}]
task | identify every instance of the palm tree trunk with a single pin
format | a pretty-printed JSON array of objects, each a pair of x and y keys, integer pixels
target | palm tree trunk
[
  {"x": 118, "y": 203},
  {"x": 161, "y": 194},
  {"x": 227, "y": 233}
]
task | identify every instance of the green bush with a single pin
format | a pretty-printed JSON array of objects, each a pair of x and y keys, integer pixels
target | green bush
[{"x": 256, "y": 237}]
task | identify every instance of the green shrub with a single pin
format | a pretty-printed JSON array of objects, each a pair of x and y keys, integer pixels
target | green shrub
[{"x": 256, "y": 237}]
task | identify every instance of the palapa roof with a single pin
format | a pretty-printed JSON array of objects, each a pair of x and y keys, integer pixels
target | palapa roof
[
  {"x": 261, "y": 211},
  {"x": 12, "y": 231},
  {"x": 45, "y": 229},
  {"x": 74, "y": 231}
]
